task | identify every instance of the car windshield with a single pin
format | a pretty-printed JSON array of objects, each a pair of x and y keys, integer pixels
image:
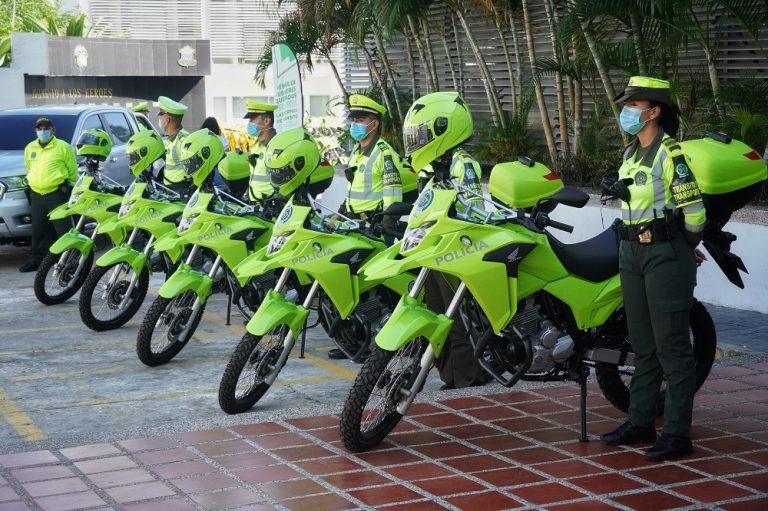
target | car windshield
[{"x": 18, "y": 130}]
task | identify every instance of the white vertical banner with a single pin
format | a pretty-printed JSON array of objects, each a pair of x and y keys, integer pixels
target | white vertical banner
[{"x": 288, "y": 95}]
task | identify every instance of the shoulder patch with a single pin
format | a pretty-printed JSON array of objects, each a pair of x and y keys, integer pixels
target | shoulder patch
[{"x": 391, "y": 176}]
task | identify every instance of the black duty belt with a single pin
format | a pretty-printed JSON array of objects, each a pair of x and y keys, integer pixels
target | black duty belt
[{"x": 648, "y": 232}]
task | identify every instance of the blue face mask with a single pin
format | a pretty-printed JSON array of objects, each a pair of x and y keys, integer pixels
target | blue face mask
[
  {"x": 630, "y": 120},
  {"x": 44, "y": 135},
  {"x": 358, "y": 131},
  {"x": 253, "y": 130}
]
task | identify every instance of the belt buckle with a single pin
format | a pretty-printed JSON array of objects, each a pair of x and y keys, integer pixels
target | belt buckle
[{"x": 645, "y": 236}]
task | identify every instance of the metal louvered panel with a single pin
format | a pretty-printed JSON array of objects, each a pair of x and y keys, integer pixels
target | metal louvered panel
[{"x": 148, "y": 19}]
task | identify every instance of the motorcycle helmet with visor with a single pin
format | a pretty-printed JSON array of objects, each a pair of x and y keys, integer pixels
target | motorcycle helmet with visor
[
  {"x": 94, "y": 143},
  {"x": 291, "y": 157},
  {"x": 200, "y": 153},
  {"x": 143, "y": 149},
  {"x": 435, "y": 124}
]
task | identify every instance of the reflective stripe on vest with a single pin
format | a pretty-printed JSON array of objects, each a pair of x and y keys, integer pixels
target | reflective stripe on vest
[
  {"x": 368, "y": 193},
  {"x": 174, "y": 172}
]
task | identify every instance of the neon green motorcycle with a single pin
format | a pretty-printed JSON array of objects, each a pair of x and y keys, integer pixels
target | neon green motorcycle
[
  {"x": 116, "y": 287},
  {"x": 350, "y": 308},
  {"x": 64, "y": 269},
  {"x": 533, "y": 307}
]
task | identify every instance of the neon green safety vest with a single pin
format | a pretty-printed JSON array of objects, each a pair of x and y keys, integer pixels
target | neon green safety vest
[
  {"x": 260, "y": 185},
  {"x": 661, "y": 179},
  {"x": 49, "y": 166},
  {"x": 174, "y": 172},
  {"x": 376, "y": 182}
]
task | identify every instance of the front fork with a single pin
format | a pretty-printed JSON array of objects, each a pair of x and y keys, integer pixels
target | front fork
[
  {"x": 81, "y": 262},
  {"x": 198, "y": 303},
  {"x": 289, "y": 340},
  {"x": 428, "y": 358},
  {"x": 135, "y": 276}
]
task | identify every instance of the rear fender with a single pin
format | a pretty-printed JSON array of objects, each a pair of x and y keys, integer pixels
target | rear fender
[
  {"x": 274, "y": 311},
  {"x": 185, "y": 278},
  {"x": 72, "y": 240},
  {"x": 412, "y": 319},
  {"x": 124, "y": 254}
]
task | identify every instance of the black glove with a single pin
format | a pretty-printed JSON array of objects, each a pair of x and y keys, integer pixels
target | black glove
[
  {"x": 693, "y": 238},
  {"x": 614, "y": 188},
  {"x": 350, "y": 173},
  {"x": 253, "y": 158}
]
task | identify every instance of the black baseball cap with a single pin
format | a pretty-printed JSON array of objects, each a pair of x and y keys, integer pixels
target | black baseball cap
[{"x": 43, "y": 121}]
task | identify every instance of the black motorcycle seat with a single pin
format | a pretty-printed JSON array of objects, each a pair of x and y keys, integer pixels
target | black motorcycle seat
[{"x": 595, "y": 259}]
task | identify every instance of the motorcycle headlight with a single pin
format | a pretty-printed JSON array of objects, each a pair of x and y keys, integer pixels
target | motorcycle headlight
[
  {"x": 187, "y": 222},
  {"x": 125, "y": 209},
  {"x": 14, "y": 183},
  {"x": 277, "y": 242},
  {"x": 414, "y": 235}
]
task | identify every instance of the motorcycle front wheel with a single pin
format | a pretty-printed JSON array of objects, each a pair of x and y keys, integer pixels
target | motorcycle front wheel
[
  {"x": 370, "y": 411},
  {"x": 614, "y": 380},
  {"x": 57, "y": 282},
  {"x": 167, "y": 327},
  {"x": 101, "y": 301},
  {"x": 255, "y": 360}
]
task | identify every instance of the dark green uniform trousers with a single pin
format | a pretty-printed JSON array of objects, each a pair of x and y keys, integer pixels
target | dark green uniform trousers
[
  {"x": 457, "y": 363},
  {"x": 45, "y": 231},
  {"x": 657, "y": 280}
]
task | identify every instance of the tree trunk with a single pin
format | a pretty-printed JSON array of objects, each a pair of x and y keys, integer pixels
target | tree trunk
[
  {"x": 578, "y": 117},
  {"x": 390, "y": 73},
  {"x": 508, "y": 59},
  {"x": 637, "y": 39},
  {"x": 490, "y": 88},
  {"x": 451, "y": 66},
  {"x": 431, "y": 85},
  {"x": 537, "y": 86},
  {"x": 519, "y": 70},
  {"x": 430, "y": 56},
  {"x": 375, "y": 74},
  {"x": 562, "y": 118},
  {"x": 336, "y": 75},
  {"x": 714, "y": 79},
  {"x": 411, "y": 64},
  {"x": 604, "y": 76},
  {"x": 459, "y": 55}
]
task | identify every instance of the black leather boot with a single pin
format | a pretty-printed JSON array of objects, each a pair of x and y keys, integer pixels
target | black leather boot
[
  {"x": 628, "y": 434},
  {"x": 669, "y": 447}
]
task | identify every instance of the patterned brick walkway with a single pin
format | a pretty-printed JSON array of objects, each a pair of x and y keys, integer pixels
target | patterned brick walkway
[{"x": 513, "y": 450}]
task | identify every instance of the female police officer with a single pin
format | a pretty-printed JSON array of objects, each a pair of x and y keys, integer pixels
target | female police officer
[{"x": 663, "y": 218}]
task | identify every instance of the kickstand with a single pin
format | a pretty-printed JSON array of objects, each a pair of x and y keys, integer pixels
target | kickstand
[
  {"x": 583, "y": 375},
  {"x": 229, "y": 308},
  {"x": 303, "y": 339}
]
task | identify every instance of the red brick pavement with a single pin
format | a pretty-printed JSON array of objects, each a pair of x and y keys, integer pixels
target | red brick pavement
[{"x": 512, "y": 450}]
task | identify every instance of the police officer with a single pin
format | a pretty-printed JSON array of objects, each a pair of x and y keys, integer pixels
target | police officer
[
  {"x": 169, "y": 124},
  {"x": 51, "y": 172},
  {"x": 662, "y": 222},
  {"x": 374, "y": 166},
  {"x": 435, "y": 127},
  {"x": 141, "y": 108},
  {"x": 261, "y": 122}
]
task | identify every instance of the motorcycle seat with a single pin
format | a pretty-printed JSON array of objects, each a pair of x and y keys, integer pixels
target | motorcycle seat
[{"x": 595, "y": 259}]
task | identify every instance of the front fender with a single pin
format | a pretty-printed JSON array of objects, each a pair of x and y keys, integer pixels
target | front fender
[
  {"x": 72, "y": 240},
  {"x": 412, "y": 319},
  {"x": 185, "y": 278},
  {"x": 124, "y": 254},
  {"x": 274, "y": 311}
]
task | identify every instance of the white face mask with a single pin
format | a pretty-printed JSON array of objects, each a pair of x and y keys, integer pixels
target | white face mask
[{"x": 160, "y": 125}]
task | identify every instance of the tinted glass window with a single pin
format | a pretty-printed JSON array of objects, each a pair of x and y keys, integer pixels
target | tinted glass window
[
  {"x": 92, "y": 122},
  {"x": 117, "y": 127},
  {"x": 144, "y": 122},
  {"x": 18, "y": 130}
]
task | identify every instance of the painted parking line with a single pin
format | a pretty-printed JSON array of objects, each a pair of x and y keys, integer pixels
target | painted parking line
[
  {"x": 171, "y": 395},
  {"x": 107, "y": 370},
  {"x": 18, "y": 419},
  {"x": 67, "y": 326}
]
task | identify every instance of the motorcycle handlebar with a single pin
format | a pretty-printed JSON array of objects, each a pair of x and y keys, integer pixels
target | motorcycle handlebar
[{"x": 561, "y": 226}]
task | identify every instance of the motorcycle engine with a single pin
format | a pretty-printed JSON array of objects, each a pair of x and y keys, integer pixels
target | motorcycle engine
[{"x": 548, "y": 344}]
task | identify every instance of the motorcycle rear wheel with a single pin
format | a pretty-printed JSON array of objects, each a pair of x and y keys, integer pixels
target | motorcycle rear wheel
[
  {"x": 370, "y": 411},
  {"x": 174, "y": 314},
  {"x": 51, "y": 290},
  {"x": 614, "y": 383},
  {"x": 255, "y": 359},
  {"x": 101, "y": 314}
]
